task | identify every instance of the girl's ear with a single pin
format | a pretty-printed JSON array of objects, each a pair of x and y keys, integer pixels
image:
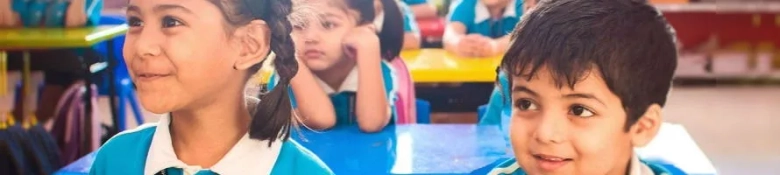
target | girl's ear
[{"x": 255, "y": 39}]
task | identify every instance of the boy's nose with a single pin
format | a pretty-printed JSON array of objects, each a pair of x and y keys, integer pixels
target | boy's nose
[{"x": 551, "y": 128}]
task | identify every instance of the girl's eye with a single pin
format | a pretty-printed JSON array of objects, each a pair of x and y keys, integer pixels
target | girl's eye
[
  {"x": 299, "y": 26},
  {"x": 580, "y": 111},
  {"x": 134, "y": 22},
  {"x": 328, "y": 25},
  {"x": 525, "y": 105},
  {"x": 168, "y": 22}
]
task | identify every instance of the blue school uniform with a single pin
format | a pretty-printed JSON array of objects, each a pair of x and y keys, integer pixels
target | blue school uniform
[
  {"x": 415, "y": 2},
  {"x": 148, "y": 150},
  {"x": 51, "y": 13},
  {"x": 637, "y": 167},
  {"x": 344, "y": 99},
  {"x": 475, "y": 16},
  {"x": 410, "y": 23},
  {"x": 500, "y": 102}
]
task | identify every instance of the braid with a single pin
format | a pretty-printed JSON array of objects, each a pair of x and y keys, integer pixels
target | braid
[{"x": 273, "y": 117}]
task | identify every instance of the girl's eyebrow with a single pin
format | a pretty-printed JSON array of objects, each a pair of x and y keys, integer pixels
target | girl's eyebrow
[
  {"x": 330, "y": 15},
  {"x": 167, "y": 7},
  {"x": 160, "y": 8}
]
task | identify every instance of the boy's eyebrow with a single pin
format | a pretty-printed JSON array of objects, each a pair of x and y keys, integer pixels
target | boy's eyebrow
[
  {"x": 585, "y": 96},
  {"x": 524, "y": 89}
]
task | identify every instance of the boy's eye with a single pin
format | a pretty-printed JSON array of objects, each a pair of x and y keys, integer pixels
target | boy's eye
[
  {"x": 168, "y": 22},
  {"x": 580, "y": 111},
  {"x": 525, "y": 105},
  {"x": 134, "y": 22}
]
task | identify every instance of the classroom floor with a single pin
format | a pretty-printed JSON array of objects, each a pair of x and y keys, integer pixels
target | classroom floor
[{"x": 737, "y": 127}]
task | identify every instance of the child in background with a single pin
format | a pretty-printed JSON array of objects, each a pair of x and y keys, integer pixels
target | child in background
[
  {"x": 499, "y": 103},
  {"x": 422, "y": 9},
  {"x": 192, "y": 60},
  {"x": 589, "y": 79},
  {"x": 346, "y": 77},
  {"x": 411, "y": 31},
  {"x": 479, "y": 28},
  {"x": 61, "y": 66}
]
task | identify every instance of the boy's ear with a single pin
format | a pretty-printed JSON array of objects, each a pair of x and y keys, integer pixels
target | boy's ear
[
  {"x": 645, "y": 129},
  {"x": 255, "y": 39}
]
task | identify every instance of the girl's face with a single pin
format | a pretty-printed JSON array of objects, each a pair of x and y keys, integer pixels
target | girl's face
[
  {"x": 178, "y": 53},
  {"x": 318, "y": 38}
]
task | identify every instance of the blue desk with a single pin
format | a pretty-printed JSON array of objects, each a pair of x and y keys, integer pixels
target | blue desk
[{"x": 449, "y": 149}]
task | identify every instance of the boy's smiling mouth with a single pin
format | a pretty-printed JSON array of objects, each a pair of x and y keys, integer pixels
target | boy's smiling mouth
[{"x": 550, "y": 163}]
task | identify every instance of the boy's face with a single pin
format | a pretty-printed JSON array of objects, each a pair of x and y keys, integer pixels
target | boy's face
[{"x": 568, "y": 131}]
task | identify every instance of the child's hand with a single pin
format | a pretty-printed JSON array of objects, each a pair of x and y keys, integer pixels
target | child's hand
[
  {"x": 8, "y": 17},
  {"x": 488, "y": 49},
  {"x": 362, "y": 44},
  {"x": 76, "y": 16},
  {"x": 472, "y": 45}
]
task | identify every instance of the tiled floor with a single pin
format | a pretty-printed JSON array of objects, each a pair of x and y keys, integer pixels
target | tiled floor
[{"x": 737, "y": 127}]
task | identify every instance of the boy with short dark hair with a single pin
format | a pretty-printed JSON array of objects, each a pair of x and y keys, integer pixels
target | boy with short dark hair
[{"x": 589, "y": 79}]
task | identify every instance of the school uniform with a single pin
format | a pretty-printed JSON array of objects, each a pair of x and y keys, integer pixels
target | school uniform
[
  {"x": 344, "y": 99},
  {"x": 415, "y": 2},
  {"x": 500, "y": 102},
  {"x": 148, "y": 150},
  {"x": 476, "y": 17},
  {"x": 410, "y": 23},
  {"x": 637, "y": 167},
  {"x": 51, "y": 13}
]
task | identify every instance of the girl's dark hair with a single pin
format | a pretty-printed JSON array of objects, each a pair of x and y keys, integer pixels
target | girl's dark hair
[
  {"x": 273, "y": 115},
  {"x": 391, "y": 37}
]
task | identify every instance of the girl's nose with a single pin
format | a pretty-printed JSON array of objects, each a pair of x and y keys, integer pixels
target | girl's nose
[{"x": 148, "y": 43}]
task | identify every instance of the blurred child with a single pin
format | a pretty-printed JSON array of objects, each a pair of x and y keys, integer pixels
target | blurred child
[
  {"x": 499, "y": 102},
  {"x": 422, "y": 8},
  {"x": 191, "y": 60},
  {"x": 346, "y": 78},
  {"x": 61, "y": 66},
  {"x": 589, "y": 79},
  {"x": 479, "y": 28},
  {"x": 411, "y": 31}
]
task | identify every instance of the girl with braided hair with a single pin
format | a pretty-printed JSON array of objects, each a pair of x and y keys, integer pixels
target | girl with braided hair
[{"x": 191, "y": 61}]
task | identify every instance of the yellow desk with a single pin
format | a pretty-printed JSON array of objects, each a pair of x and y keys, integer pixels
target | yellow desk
[
  {"x": 25, "y": 39},
  {"x": 435, "y": 66},
  {"x": 51, "y": 38},
  {"x": 440, "y": 66}
]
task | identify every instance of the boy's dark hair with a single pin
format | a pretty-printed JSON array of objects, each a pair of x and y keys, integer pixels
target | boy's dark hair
[
  {"x": 273, "y": 115},
  {"x": 392, "y": 33},
  {"x": 628, "y": 41}
]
